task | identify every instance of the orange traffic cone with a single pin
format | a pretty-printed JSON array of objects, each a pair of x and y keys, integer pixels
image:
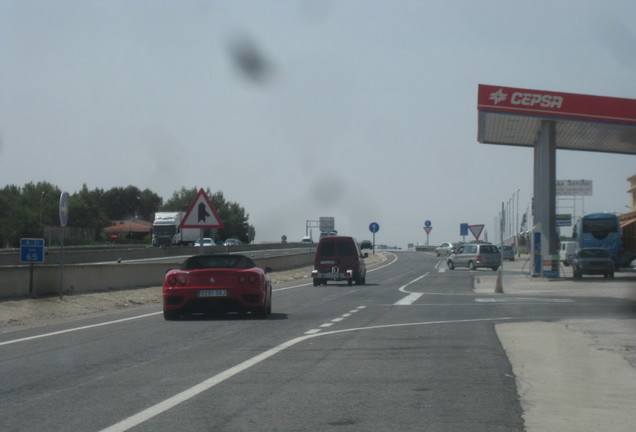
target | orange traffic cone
[{"x": 498, "y": 284}]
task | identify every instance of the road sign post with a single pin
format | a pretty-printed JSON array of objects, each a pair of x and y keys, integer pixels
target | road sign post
[
  {"x": 374, "y": 227},
  {"x": 476, "y": 230},
  {"x": 463, "y": 231},
  {"x": 201, "y": 214},
  {"x": 428, "y": 227},
  {"x": 63, "y": 222},
  {"x": 31, "y": 252}
]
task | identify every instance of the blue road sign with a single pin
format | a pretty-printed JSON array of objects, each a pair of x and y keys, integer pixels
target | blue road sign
[
  {"x": 374, "y": 227},
  {"x": 463, "y": 229},
  {"x": 31, "y": 250},
  {"x": 427, "y": 223}
]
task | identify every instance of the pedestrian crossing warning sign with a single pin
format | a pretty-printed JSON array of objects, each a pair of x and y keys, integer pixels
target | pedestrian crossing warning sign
[{"x": 201, "y": 214}]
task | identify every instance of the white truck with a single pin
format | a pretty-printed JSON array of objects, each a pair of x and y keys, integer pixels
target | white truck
[
  {"x": 567, "y": 249},
  {"x": 166, "y": 231}
]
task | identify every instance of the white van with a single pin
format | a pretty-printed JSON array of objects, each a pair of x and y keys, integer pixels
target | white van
[{"x": 568, "y": 248}]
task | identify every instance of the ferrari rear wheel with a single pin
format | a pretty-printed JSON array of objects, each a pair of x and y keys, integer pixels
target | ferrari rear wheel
[
  {"x": 264, "y": 311},
  {"x": 170, "y": 315},
  {"x": 261, "y": 312}
]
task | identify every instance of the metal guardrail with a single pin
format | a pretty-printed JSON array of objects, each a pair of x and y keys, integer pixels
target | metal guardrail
[{"x": 122, "y": 253}]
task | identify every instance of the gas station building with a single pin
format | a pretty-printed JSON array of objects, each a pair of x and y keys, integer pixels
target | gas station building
[{"x": 547, "y": 121}]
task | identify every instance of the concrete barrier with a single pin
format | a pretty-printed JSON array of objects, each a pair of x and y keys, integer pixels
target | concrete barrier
[{"x": 79, "y": 278}]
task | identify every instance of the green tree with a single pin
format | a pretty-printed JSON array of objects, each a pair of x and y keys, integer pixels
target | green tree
[
  {"x": 25, "y": 211},
  {"x": 130, "y": 203},
  {"x": 181, "y": 200},
  {"x": 86, "y": 210}
]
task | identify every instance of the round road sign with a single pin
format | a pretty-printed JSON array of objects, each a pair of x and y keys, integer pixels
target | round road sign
[
  {"x": 63, "y": 209},
  {"x": 374, "y": 227}
]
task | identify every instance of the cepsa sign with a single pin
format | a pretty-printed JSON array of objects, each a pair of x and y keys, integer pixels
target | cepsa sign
[
  {"x": 532, "y": 99},
  {"x": 556, "y": 104}
]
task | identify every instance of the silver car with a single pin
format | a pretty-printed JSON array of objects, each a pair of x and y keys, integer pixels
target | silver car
[
  {"x": 446, "y": 249},
  {"x": 507, "y": 252},
  {"x": 475, "y": 256}
]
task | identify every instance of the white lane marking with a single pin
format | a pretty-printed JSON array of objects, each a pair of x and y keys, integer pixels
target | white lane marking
[
  {"x": 523, "y": 300},
  {"x": 203, "y": 386},
  {"x": 408, "y": 300},
  {"x": 333, "y": 321},
  {"x": 403, "y": 287},
  {"x": 291, "y": 287},
  {"x": 395, "y": 258},
  {"x": 78, "y": 328}
]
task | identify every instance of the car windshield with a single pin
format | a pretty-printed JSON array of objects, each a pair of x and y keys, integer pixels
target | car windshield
[
  {"x": 217, "y": 261},
  {"x": 593, "y": 253}
]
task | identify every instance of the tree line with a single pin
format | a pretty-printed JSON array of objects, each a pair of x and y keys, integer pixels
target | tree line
[{"x": 26, "y": 211}]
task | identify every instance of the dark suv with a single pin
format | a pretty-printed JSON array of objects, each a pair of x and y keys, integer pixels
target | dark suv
[
  {"x": 338, "y": 258},
  {"x": 366, "y": 244},
  {"x": 592, "y": 261}
]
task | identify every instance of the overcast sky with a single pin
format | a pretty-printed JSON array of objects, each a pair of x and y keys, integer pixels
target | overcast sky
[{"x": 361, "y": 110}]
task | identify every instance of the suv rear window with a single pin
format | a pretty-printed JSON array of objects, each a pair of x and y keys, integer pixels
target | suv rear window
[
  {"x": 489, "y": 249},
  {"x": 342, "y": 248}
]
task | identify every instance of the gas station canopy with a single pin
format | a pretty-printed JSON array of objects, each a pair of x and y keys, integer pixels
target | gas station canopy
[{"x": 513, "y": 116}]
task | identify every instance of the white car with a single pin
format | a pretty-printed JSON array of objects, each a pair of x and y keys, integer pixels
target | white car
[
  {"x": 446, "y": 249},
  {"x": 206, "y": 242}
]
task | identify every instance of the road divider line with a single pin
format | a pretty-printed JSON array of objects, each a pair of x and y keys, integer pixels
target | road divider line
[
  {"x": 403, "y": 287},
  {"x": 171, "y": 402},
  {"x": 335, "y": 320},
  {"x": 78, "y": 329},
  {"x": 408, "y": 300}
]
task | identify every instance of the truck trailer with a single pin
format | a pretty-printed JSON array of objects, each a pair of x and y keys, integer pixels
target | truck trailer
[{"x": 166, "y": 231}]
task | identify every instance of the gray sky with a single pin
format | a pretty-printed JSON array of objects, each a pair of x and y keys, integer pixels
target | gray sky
[{"x": 361, "y": 110}]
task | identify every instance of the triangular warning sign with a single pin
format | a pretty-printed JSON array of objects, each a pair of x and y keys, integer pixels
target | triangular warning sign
[
  {"x": 201, "y": 214},
  {"x": 476, "y": 230}
]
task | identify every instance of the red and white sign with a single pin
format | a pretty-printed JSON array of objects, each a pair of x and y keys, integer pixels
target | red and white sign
[
  {"x": 476, "y": 230},
  {"x": 556, "y": 104},
  {"x": 428, "y": 229},
  {"x": 201, "y": 214}
]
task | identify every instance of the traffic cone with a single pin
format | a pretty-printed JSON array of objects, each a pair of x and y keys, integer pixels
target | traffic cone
[{"x": 498, "y": 284}]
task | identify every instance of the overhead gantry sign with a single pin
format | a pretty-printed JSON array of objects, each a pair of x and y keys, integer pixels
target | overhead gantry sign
[{"x": 548, "y": 121}]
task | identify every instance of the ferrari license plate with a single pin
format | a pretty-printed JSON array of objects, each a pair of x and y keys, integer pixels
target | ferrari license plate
[{"x": 212, "y": 293}]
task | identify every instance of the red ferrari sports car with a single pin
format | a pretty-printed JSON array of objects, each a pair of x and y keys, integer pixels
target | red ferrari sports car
[{"x": 217, "y": 283}]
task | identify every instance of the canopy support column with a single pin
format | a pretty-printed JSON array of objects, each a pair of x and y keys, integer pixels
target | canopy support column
[{"x": 545, "y": 203}]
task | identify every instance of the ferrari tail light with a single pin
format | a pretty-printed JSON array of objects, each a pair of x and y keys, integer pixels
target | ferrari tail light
[
  {"x": 180, "y": 279},
  {"x": 248, "y": 279}
]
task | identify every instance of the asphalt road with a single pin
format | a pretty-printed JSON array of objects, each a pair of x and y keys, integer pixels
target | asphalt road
[{"x": 414, "y": 349}]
